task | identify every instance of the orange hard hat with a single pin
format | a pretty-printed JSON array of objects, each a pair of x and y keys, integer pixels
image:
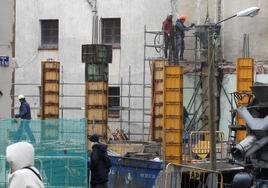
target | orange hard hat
[{"x": 183, "y": 17}]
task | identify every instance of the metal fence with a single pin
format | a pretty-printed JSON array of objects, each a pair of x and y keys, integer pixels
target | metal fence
[
  {"x": 60, "y": 149},
  {"x": 177, "y": 175},
  {"x": 200, "y": 148}
]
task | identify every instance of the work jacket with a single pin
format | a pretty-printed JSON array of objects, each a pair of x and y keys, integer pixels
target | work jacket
[
  {"x": 100, "y": 164},
  {"x": 167, "y": 25},
  {"x": 20, "y": 156},
  {"x": 180, "y": 29},
  {"x": 25, "y": 111}
]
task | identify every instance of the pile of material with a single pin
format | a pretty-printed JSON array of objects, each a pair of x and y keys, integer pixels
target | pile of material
[{"x": 138, "y": 150}]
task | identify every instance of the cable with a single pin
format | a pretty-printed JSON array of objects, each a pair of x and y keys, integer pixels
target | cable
[{"x": 155, "y": 42}]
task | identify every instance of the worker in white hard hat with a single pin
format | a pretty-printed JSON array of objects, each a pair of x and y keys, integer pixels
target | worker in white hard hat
[
  {"x": 25, "y": 110},
  {"x": 25, "y": 116}
]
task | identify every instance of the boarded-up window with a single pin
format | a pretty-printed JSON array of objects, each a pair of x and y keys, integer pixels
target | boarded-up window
[
  {"x": 111, "y": 31},
  {"x": 49, "y": 34},
  {"x": 114, "y": 102}
]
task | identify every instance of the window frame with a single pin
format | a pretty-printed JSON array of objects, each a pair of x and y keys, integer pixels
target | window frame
[
  {"x": 45, "y": 39},
  {"x": 114, "y": 24},
  {"x": 115, "y": 96}
]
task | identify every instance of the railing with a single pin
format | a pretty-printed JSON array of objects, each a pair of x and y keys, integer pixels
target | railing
[
  {"x": 199, "y": 145},
  {"x": 177, "y": 175}
]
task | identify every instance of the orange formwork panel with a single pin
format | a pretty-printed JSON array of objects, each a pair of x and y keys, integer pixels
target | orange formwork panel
[
  {"x": 244, "y": 82},
  {"x": 50, "y": 88},
  {"x": 173, "y": 113}
]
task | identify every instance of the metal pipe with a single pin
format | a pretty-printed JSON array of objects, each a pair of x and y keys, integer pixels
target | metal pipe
[
  {"x": 129, "y": 95},
  {"x": 143, "y": 80},
  {"x": 211, "y": 101},
  {"x": 121, "y": 103}
]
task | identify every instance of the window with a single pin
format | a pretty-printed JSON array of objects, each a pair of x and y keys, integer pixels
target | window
[
  {"x": 111, "y": 31},
  {"x": 49, "y": 34},
  {"x": 114, "y": 102}
]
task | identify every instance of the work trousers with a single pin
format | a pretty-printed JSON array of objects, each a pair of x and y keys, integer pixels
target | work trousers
[
  {"x": 180, "y": 46},
  {"x": 167, "y": 42},
  {"x": 25, "y": 126}
]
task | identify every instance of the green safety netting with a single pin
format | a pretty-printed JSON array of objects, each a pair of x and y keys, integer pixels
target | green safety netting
[{"x": 60, "y": 149}]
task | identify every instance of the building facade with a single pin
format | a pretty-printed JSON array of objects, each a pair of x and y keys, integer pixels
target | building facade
[
  {"x": 7, "y": 12},
  {"x": 49, "y": 29}
]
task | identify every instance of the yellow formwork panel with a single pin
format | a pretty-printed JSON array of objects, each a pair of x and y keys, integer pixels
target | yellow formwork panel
[
  {"x": 171, "y": 122},
  {"x": 174, "y": 136},
  {"x": 244, "y": 74},
  {"x": 97, "y": 99},
  {"x": 158, "y": 98},
  {"x": 173, "y": 150},
  {"x": 244, "y": 80},
  {"x": 173, "y": 109},
  {"x": 98, "y": 128},
  {"x": 173, "y": 112},
  {"x": 97, "y": 107},
  {"x": 97, "y": 114},
  {"x": 50, "y": 87}
]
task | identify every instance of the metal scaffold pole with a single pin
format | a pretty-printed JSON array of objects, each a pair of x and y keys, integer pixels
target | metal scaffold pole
[
  {"x": 143, "y": 91},
  {"x": 211, "y": 97},
  {"x": 129, "y": 95}
]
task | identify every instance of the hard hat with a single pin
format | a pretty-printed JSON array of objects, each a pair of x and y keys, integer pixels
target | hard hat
[
  {"x": 21, "y": 97},
  {"x": 183, "y": 17}
]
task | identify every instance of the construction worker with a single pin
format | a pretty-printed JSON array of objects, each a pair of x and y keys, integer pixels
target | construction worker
[
  {"x": 25, "y": 110},
  {"x": 180, "y": 34},
  {"x": 100, "y": 163},
  {"x": 25, "y": 115},
  {"x": 22, "y": 174},
  {"x": 166, "y": 27}
]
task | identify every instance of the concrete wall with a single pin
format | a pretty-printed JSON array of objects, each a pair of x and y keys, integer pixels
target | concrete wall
[
  {"x": 256, "y": 27},
  {"x": 74, "y": 30},
  {"x": 6, "y": 45},
  {"x": 232, "y": 32}
]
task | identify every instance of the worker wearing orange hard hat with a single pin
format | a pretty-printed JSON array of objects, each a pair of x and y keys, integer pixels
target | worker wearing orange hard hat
[{"x": 180, "y": 29}]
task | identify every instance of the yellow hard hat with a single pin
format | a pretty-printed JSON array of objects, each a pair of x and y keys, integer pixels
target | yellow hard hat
[{"x": 21, "y": 97}]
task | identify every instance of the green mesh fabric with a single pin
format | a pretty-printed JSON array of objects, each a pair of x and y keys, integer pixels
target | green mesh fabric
[{"x": 60, "y": 149}]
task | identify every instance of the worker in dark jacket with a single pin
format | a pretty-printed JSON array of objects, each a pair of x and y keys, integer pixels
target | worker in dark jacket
[
  {"x": 25, "y": 110},
  {"x": 100, "y": 164},
  {"x": 180, "y": 34},
  {"x": 25, "y": 116},
  {"x": 166, "y": 27}
]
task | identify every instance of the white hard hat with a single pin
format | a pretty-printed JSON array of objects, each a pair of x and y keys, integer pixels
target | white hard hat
[{"x": 21, "y": 97}]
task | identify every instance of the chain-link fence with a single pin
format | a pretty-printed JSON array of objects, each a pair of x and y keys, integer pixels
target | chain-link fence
[{"x": 60, "y": 149}]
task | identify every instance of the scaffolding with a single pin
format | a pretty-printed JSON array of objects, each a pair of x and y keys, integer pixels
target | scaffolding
[
  {"x": 127, "y": 109},
  {"x": 134, "y": 109},
  {"x": 153, "y": 50}
]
